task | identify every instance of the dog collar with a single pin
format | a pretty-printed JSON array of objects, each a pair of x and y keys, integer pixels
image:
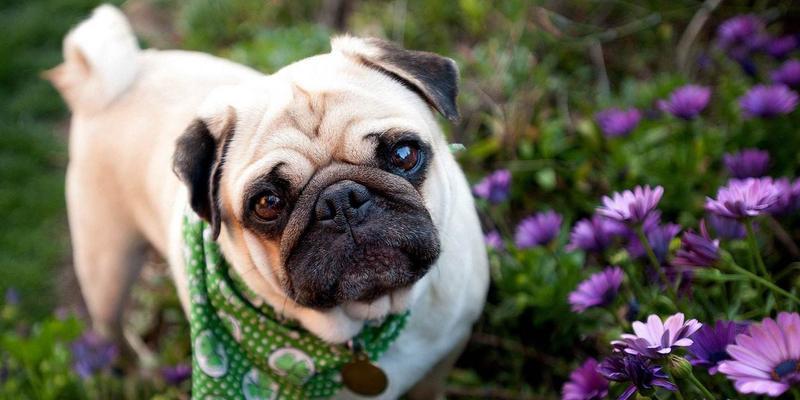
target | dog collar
[{"x": 241, "y": 348}]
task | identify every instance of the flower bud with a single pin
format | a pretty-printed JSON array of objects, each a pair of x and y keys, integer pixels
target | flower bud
[{"x": 678, "y": 367}]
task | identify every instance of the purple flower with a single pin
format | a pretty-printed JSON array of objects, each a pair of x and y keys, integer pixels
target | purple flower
[
  {"x": 598, "y": 290},
  {"x": 739, "y": 29},
  {"x": 639, "y": 371},
  {"x": 585, "y": 383},
  {"x": 697, "y": 250},
  {"x": 766, "y": 360},
  {"x": 12, "y": 296},
  {"x": 91, "y": 353},
  {"x": 176, "y": 374},
  {"x": 494, "y": 187},
  {"x": 656, "y": 339},
  {"x": 652, "y": 221},
  {"x": 727, "y": 228},
  {"x": 631, "y": 207},
  {"x": 493, "y": 240},
  {"x": 748, "y": 163},
  {"x": 781, "y": 47},
  {"x": 743, "y": 198},
  {"x": 538, "y": 229},
  {"x": 615, "y": 122},
  {"x": 710, "y": 342},
  {"x": 659, "y": 236},
  {"x": 686, "y": 102},
  {"x": 740, "y": 35},
  {"x": 594, "y": 234},
  {"x": 788, "y": 197},
  {"x": 767, "y": 101},
  {"x": 787, "y": 74}
]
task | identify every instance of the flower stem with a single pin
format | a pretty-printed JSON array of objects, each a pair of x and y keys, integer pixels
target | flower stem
[
  {"x": 691, "y": 154},
  {"x": 496, "y": 216},
  {"x": 638, "y": 292},
  {"x": 775, "y": 288},
  {"x": 699, "y": 385},
  {"x": 783, "y": 236},
  {"x": 678, "y": 394},
  {"x": 656, "y": 264},
  {"x": 751, "y": 240}
]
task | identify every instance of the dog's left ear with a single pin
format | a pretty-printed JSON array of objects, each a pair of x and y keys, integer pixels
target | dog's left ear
[
  {"x": 431, "y": 76},
  {"x": 197, "y": 161}
]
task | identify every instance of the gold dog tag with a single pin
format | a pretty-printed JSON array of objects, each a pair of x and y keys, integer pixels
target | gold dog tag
[{"x": 363, "y": 377}]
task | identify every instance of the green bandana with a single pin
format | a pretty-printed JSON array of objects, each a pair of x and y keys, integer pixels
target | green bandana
[{"x": 246, "y": 351}]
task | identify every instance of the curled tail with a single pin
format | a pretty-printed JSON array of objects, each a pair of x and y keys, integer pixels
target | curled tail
[{"x": 100, "y": 61}]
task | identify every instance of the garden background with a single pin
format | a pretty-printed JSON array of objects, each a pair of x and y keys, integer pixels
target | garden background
[{"x": 534, "y": 75}]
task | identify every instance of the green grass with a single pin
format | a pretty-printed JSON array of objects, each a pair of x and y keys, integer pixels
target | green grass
[{"x": 33, "y": 238}]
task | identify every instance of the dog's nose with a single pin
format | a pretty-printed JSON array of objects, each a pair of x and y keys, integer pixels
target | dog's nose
[{"x": 343, "y": 203}]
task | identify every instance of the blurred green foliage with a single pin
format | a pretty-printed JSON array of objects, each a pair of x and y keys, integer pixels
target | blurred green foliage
[
  {"x": 532, "y": 76},
  {"x": 41, "y": 355},
  {"x": 33, "y": 240}
]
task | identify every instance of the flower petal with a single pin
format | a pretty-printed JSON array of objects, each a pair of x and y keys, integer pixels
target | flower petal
[
  {"x": 790, "y": 323},
  {"x": 767, "y": 387},
  {"x": 630, "y": 391},
  {"x": 673, "y": 324},
  {"x": 747, "y": 356},
  {"x": 765, "y": 344},
  {"x": 740, "y": 369}
]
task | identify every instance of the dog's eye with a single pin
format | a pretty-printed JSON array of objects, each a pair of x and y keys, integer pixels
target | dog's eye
[
  {"x": 268, "y": 206},
  {"x": 405, "y": 156}
]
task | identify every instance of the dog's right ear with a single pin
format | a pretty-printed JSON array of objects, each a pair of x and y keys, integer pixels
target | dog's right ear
[
  {"x": 193, "y": 161},
  {"x": 197, "y": 161}
]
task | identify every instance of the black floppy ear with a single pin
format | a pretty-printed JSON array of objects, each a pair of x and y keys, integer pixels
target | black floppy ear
[
  {"x": 431, "y": 76},
  {"x": 197, "y": 161}
]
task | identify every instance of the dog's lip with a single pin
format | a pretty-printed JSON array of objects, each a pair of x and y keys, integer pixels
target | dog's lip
[{"x": 394, "y": 302}]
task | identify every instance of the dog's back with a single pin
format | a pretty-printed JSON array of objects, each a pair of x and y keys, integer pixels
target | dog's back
[{"x": 128, "y": 107}]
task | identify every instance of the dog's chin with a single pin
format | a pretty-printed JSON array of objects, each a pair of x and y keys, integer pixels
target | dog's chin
[
  {"x": 368, "y": 283},
  {"x": 394, "y": 302}
]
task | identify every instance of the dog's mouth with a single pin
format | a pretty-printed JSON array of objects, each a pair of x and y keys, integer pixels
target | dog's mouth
[
  {"x": 361, "y": 242},
  {"x": 325, "y": 272}
]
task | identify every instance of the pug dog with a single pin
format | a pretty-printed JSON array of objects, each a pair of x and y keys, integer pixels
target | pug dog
[{"x": 328, "y": 184}]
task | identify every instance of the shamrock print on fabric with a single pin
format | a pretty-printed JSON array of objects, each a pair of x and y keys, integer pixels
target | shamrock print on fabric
[
  {"x": 295, "y": 365},
  {"x": 211, "y": 355},
  {"x": 257, "y": 386}
]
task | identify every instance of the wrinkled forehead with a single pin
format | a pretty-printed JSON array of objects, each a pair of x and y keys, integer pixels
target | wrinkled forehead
[{"x": 323, "y": 109}]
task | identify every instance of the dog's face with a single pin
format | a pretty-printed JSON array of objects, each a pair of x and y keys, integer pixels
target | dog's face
[{"x": 319, "y": 175}]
